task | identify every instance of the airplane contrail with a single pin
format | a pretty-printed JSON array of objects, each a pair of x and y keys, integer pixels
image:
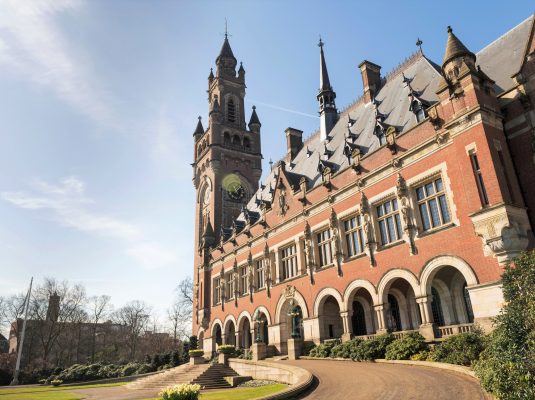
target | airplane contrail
[{"x": 282, "y": 108}]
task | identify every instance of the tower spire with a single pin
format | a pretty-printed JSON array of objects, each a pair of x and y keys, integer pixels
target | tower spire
[
  {"x": 455, "y": 48},
  {"x": 326, "y": 96}
]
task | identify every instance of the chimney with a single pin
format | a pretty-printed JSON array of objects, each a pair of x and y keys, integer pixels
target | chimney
[
  {"x": 371, "y": 79},
  {"x": 294, "y": 142}
]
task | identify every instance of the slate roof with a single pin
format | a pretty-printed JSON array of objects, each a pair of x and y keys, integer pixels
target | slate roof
[
  {"x": 419, "y": 76},
  {"x": 503, "y": 57}
]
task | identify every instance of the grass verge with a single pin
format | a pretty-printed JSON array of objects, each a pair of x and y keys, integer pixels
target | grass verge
[{"x": 49, "y": 392}]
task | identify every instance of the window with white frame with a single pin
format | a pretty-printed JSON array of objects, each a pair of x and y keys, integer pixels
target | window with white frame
[
  {"x": 260, "y": 274},
  {"x": 289, "y": 261},
  {"x": 433, "y": 204},
  {"x": 230, "y": 286},
  {"x": 389, "y": 221},
  {"x": 217, "y": 291},
  {"x": 244, "y": 280},
  {"x": 354, "y": 235},
  {"x": 324, "y": 247}
]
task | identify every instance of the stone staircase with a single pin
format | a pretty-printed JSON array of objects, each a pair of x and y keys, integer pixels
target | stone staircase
[{"x": 206, "y": 375}]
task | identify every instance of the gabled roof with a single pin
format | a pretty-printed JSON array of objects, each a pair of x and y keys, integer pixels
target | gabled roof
[
  {"x": 394, "y": 104},
  {"x": 504, "y": 57}
]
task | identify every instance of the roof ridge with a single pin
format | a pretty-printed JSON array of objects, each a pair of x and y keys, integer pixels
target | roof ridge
[
  {"x": 506, "y": 33},
  {"x": 409, "y": 60}
]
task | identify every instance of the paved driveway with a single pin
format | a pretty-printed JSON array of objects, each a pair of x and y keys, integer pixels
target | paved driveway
[{"x": 363, "y": 380}]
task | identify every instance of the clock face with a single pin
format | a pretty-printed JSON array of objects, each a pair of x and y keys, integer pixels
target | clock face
[{"x": 236, "y": 191}]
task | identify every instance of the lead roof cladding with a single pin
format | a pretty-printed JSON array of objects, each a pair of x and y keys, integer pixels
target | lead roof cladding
[{"x": 499, "y": 60}]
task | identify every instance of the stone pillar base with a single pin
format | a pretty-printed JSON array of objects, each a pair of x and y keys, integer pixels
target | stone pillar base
[
  {"x": 346, "y": 337},
  {"x": 196, "y": 360},
  {"x": 259, "y": 351},
  {"x": 381, "y": 331},
  {"x": 294, "y": 348},
  {"x": 223, "y": 359},
  {"x": 428, "y": 332}
]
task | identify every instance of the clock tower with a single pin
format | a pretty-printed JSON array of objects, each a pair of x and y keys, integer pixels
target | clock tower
[{"x": 227, "y": 157}]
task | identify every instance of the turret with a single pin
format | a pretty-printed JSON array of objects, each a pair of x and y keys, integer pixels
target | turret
[
  {"x": 254, "y": 122},
  {"x": 456, "y": 58},
  {"x": 199, "y": 130}
]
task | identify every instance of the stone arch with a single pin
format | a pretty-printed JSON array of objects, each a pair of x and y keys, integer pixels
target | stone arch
[
  {"x": 229, "y": 330},
  {"x": 215, "y": 322},
  {"x": 353, "y": 287},
  {"x": 243, "y": 314},
  {"x": 243, "y": 328},
  {"x": 434, "y": 265},
  {"x": 263, "y": 310},
  {"x": 300, "y": 301},
  {"x": 322, "y": 296},
  {"x": 391, "y": 276}
]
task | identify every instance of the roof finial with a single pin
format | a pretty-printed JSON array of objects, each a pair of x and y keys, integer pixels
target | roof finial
[
  {"x": 270, "y": 164},
  {"x": 320, "y": 44},
  {"x": 419, "y": 43},
  {"x": 449, "y": 29},
  {"x": 226, "y": 30}
]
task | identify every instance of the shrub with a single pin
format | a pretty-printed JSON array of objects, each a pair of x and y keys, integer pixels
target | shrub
[
  {"x": 506, "y": 368},
  {"x": 405, "y": 347},
  {"x": 196, "y": 353},
  {"x": 307, "y": 347},
  {"x": 181, "y": 392},
  {"x": 56, "y": 382},
  {"x": 461, "y": 349},
  {"x": 227, "y": 349},
  {"x": 376, "y": 347},
  {"x": 422, "y": 356},
  {"x": 129, "y": 369},
  {"x": 322, "y": 350}
]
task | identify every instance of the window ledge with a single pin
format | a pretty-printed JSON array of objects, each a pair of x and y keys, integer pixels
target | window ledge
[
  {"x": 355, "y": 257},
  {"x": 390, "y": 245},
  {"x": 435, "y": 230}
]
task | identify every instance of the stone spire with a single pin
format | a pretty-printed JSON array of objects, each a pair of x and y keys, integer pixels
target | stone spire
[
  {"x": 254, "y": 122},
  {"x": 225, "y": 61},
  {"x": 326, "y": 96},
  {"x": 199, "y": 130},
  {"x": 455, "y": 49}
]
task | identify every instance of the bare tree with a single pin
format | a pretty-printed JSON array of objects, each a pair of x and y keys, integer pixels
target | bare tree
[
  {"x": 99, "y": 307},
  {"x": 179, "y": 314},
  {"x": 53, "y": 305},
  {"x": 135, "y": 316},
  {"x": 11, "y": 309}
]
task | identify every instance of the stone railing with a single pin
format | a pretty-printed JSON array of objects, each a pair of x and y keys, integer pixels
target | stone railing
[
  {"x": 449, "y": 330},
  {"x": 400, "y": 334},
  {"x": 299, "y": 379}
]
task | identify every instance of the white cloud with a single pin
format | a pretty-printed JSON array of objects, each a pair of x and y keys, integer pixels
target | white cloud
[
  {"x": 33, "y": 47},
  {"x": 69, "y": 206}
]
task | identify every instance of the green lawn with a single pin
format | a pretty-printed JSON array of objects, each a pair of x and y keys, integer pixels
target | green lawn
[
  {"x": 49, "y": 392},
  {"x": 62, "y": 392},
  {"x": 241, "y": 393}
]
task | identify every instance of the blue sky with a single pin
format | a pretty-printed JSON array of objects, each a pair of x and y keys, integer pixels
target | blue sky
[{"x": 99, "y": 99}]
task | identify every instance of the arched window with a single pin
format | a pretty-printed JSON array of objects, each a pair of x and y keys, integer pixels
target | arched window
[
  {"x": 231, "y": 111},
  {"x": 226, "y": 138},
  {"x": 358, "y": 319},
  {"x": 395, "y": 318},
  {"x": 468, "y": 304},
  {"x": 218, "y": 337},
  {"x": 436, "y": 308},
  {"x": 199, "y": 150},
  {"x": 246, "y": 143},
  {"x": 236, "y": 140}
]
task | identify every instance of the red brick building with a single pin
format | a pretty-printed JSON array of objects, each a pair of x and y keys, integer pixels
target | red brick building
[{"x": 397, "y": 215}]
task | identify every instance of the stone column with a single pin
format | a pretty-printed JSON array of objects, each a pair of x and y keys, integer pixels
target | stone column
[
  {"x": 238, "y": 342},
  {"x": 294, "y": 348},
  {"x": 427, "y": 329},
  {"x": 259, "y": 351},
  {"x": 379, "y": 309},
  {"x": 346, "y": 322}
]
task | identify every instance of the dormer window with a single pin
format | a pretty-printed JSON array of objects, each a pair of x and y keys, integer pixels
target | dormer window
[
  {"x": 231, "y": 111},
  {"x": 380, "y": 134}
]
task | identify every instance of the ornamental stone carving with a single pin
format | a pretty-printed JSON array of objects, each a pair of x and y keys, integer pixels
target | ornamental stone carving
[
  {"x": 309, "y": 257},
  {"x": 409, "y": 229},
  {"x": 267, "y": 269},
  {"x": 368, "y": 229},
  {"x": 503, "y": 230},
  {"x": 335, "y": 240},
  {"x": 289, "y": 292}
]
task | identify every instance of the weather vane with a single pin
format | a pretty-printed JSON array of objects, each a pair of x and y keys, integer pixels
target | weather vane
[
  {"x": 419, "y": 44},
  {"x": 226, "y": 28}
]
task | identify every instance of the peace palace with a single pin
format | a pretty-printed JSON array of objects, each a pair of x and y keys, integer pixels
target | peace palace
[{"x": 397, "y": 215}]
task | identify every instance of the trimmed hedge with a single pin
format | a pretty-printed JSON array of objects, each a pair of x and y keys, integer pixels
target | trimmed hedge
[
  {"x": 357, "y": 349},
  {"x": 461, "y": 349},
  {"x": 227, "y": 349},
  {"x": 403, "y": 349}
]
